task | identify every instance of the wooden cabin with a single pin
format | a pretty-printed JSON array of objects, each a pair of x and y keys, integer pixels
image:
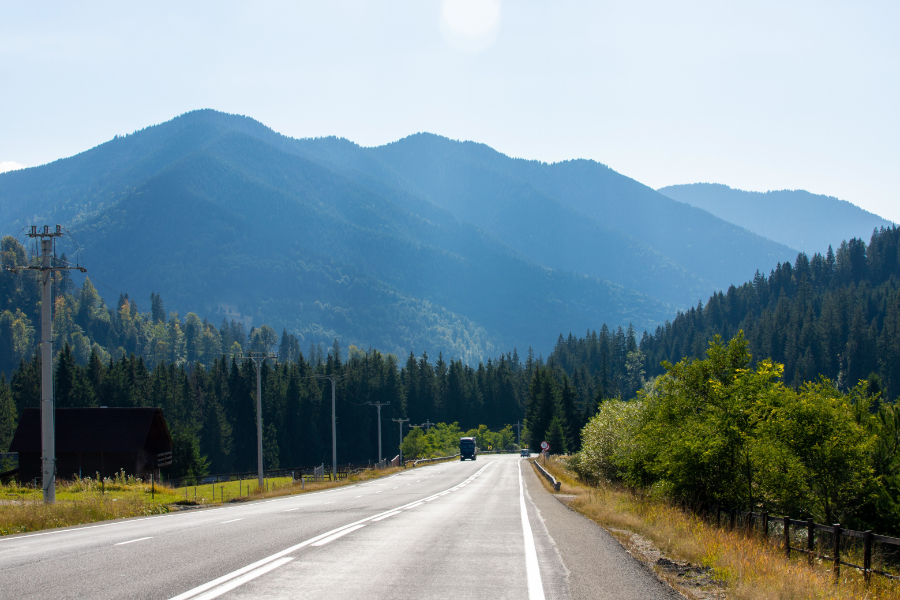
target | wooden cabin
[{"x": 96, "y": 440}]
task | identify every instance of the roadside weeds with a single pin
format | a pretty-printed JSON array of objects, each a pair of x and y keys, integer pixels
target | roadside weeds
[
  {"x": 88, "y": 501},
  {"x": 703, "y": 562}
]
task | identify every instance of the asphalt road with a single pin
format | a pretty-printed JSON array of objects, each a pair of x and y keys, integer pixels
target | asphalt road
[{"x": 483, "y": 529}]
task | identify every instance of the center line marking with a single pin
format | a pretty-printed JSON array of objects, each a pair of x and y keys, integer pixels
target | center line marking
[
  {"x": 290, "y": 509},
  {"x": 391, "y": 514},
  {"x": 231, "y": 521},
  {"x": 132, "y": 541},
  {"x": 335, "y": 536},
  {"x": 229, "y": 581}
]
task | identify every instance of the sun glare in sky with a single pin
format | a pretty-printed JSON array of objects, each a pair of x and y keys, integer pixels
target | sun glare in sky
[{"x": 470, "y": 25}]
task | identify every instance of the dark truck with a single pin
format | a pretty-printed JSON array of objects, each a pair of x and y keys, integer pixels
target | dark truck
[{"x": 467, "y": 448}]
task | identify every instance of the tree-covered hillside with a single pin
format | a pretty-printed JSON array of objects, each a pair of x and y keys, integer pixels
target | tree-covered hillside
[
  {"x": 836, "y": 315},
  {"x": 211, "y": 212}
]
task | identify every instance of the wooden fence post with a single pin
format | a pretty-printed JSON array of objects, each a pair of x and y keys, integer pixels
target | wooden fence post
[
  {"x": 810, "y": 539},
  {"x": 787, "y": 537},
  {"x": 749, "y": 523},
  {"x": 733, "y": 519},
  {"x": 837, "y": 551},
  {"x": 867, "y": 555},
  {"x": 765, "y": 526},
  {"x": 718, "y": 516}
]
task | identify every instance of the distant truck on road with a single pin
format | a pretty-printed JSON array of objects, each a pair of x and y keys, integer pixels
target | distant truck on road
[{"x": 467, "y": 449}]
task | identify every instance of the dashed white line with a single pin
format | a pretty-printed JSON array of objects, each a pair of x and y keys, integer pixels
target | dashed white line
[
  {"x": 231, "y": 521},
  {"x": 133, "y": 541}
]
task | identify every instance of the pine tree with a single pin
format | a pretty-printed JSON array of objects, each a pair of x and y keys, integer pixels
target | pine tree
[{"x": 7, "y": 416}]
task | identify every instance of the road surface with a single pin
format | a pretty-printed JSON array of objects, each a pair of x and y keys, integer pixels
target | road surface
[{"x": 483, "y": 529}]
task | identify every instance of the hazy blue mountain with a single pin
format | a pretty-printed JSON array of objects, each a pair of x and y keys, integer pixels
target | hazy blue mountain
[
  {"x": 213, "y": 213},
  {"x": 795, "y": 218},
  {"x": 702, "y": 244}
]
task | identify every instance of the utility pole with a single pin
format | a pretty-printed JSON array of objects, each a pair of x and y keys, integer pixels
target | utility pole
[
  {"x": 48, "y": 433},
  {"x": 400, "y": 422},
  {"x": 333, "y": 379},
  {"x": 427, "y": 425},
  {"x": 518, "y": 427},
  {"x": 259, "y": 358},
  {"x": 379, "y": 405}
]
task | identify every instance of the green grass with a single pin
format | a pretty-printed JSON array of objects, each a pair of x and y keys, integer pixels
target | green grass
[
  {"x": 89, "y": 500},
  {"x": 230, "y": 490}
]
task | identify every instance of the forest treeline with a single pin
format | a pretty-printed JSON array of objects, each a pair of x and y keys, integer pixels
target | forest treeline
[
  {"x": 836, "y": 315},
  {"x": 719, "y": 431},
  {"x": 211, "y": 411}
]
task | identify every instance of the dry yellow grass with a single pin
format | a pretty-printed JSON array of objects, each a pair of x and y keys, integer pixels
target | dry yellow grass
[
  {"x": 87, "y": 501},
  {"x": 751, "y": 568}
]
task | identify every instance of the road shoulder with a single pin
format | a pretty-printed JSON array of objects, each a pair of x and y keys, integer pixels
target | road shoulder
[{"x": 598, "y": 566}]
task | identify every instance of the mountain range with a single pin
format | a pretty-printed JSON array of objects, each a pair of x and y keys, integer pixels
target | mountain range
[
  {"x": 422, "y": 244},
  {"x": 796, "y": 218}
]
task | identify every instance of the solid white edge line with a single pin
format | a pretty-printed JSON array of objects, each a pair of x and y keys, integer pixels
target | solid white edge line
[
  {"x": 532, "y": 569},
  {"x": 192, "y": 593},
  {"x": 132, "y": 541},
  {"x": 231, "y": 521},
  {"x": 339, "y": 534},
  {"x": 244, "y": 579}
]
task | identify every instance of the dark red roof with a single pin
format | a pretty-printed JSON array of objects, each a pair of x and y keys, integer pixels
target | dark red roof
[{"x": 94, "y": 430}]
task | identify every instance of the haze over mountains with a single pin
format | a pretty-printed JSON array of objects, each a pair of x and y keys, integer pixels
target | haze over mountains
[
  {"x": 795, "y": 218},
  {"x": 422, "y": 244}
]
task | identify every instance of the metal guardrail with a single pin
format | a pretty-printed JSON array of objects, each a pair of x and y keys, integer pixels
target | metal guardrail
[
  {"x": 547, "y": 475},
  {"x": 435, "y": 459}
]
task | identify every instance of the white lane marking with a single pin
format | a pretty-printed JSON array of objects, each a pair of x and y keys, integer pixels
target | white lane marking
[
  {"x": 390, "y": 514},
  {"x": 415, "y": 505},
  {"x": 335, "y": 536},
  {"x": 332, "y": 502},
  {"x": 244, "y": 579},
  {"x": 360, "y": 496},
  {"x": 231, "y": 521},
  {"x": 533, "y": 570},
  {"x": 132, "y": 541},
  {"x": 290, "y": 509},
  {"x": 430, "y": 499},
  {"x": 193, "y": 593}
]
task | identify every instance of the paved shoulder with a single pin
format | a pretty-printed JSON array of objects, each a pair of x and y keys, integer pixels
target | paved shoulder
[{"x": 598, "y": 567}]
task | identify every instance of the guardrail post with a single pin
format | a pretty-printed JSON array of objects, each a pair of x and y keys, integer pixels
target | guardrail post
[
  {"x": 867, "y": 555},
  {"x": 787, "y": 537},
  {"x": 810, "y": 539},
  {"x": 837, "y": 551}
]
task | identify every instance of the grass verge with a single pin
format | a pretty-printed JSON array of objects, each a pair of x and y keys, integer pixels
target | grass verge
[
  {"x": 90, "y": 500},
  {"x": 746, "y": 568}
]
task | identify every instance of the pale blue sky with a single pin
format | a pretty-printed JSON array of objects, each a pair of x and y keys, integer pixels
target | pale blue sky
[{"x": 756, "y": 95}]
